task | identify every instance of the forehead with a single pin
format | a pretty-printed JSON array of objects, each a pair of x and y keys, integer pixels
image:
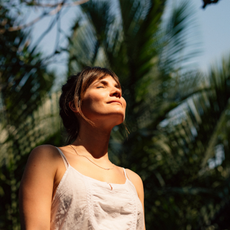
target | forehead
[{"x": 107, "y": 78}]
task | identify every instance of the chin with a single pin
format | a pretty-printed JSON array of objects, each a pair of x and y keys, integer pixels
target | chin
[
  {"x": 109, "y": 119},
  {"x": 114, "y": 119},
  {"x": 120, "y": 120}
]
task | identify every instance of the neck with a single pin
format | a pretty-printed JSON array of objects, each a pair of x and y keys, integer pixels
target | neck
[{"x": 93, "y": 140}]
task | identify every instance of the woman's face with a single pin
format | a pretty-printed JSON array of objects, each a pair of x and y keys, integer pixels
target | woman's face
[{"x": 103, "y": 101}]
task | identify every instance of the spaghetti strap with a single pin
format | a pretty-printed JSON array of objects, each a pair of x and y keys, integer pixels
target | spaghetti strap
[
  {"x": 63, "y": 157},
  {"x": 125, "y": 173}
]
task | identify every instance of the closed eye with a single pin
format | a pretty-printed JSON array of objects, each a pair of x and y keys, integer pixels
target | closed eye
[{"x": 100, "y": 86}]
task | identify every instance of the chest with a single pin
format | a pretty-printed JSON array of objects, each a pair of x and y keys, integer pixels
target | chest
[{"x": 86, "y": 200}]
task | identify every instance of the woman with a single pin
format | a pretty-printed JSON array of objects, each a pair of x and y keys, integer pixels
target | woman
[{"x": 77, "y": 186}]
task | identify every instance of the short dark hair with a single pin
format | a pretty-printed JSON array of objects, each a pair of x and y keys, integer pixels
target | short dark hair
[{"x": 75, "y": 89}]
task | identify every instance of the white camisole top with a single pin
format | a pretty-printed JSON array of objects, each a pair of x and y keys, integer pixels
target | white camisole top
[{"x": 84, "y": 203}]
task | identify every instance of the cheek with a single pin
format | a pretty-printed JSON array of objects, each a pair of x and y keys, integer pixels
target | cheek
[
  {"x": 87, "y": 104},
  {"x": 90, "y": 103}
]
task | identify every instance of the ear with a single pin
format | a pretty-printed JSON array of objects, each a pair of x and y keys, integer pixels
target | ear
[{"x": 72, "y": 106}]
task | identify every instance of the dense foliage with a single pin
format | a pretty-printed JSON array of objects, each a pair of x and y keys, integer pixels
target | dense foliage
[
  {"x": 178, "y": 119},
  {"x": 24, "y": 81}
]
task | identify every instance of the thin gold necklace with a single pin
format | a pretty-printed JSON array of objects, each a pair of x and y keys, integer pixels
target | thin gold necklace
[{"x": 90, "y": 160}]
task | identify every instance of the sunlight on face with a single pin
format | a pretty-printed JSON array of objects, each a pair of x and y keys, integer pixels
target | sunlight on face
[{"x": 103, "y": 101}]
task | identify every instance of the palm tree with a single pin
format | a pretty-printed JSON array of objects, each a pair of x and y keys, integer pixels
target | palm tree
[{"x": 197, "y": 138}]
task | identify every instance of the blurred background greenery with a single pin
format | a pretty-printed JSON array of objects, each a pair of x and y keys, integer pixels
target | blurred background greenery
[{"x": 177, "y": 116}]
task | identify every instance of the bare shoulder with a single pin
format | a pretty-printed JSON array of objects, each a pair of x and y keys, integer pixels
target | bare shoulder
[
  {"x": 136, "y": 180},
  {"x": 134, "y": 177},
  {"x": 41, "y": 168},
  {"x": 44, "y": 151},
  {"x": 43, "y": 157},
  {"x": 44, "y": 154}
]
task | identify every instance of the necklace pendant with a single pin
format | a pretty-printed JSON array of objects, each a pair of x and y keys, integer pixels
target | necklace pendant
[{"x": 110, "y": 186}]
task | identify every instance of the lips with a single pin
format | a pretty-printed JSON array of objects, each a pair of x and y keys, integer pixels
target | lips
[{"x": 114, "y": 102}]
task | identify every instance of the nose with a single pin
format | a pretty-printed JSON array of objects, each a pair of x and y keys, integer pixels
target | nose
[{"x": 116, "y": 92}]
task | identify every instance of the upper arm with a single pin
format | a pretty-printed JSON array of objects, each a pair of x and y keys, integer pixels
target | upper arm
[
  {"x": 137, "y": 181},
  {"x": 35, "y": 195}
]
